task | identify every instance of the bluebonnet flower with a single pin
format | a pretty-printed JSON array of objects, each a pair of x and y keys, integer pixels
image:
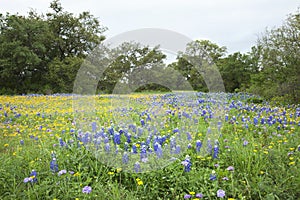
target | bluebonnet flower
[
  {"x": 22, "y": 142},
  {"x": 110, "y": 131},
  {"x": 53, "y": 165},
  {"x": 187, "y": 164},
  {"x": 155, "y": 146},
  {"x": 143, "y": 154},
  {"x": 107, "y": 147},
  {"x": 33, "y": 176},
  {"x": 221, "y": 193},
  {"x": 94, "y": 126},
  {"x": 137, "y": 167},
  {"x": 142, "y": 122},
  {"x": 106, "y": 140},
  {"x": 212, "y": 177},
  {"x": 216, "y": 152},
  {"x": 189, "y": 137},
  {"x": 125, "y": 158},
  {"x": 198, "y": 145},
  {"x": 209, "y": 147},
  {"x": 158, "y": 151},
  {"x": 117, "y": 138},
  {"x": 189, "y": 146},
  {"x": 187, "y": 196},
  {"x": 226, "y": 117},
  {"x": 61, "y": 142},
  {"x": 148, "y": 118},
  {"x": 134, "y": 149},
  {"x": 87, "y": 189},
  {"x": 176, "y": 130},
  {"x": 255, "y": 121},
  {"x": 177, "y": 149},
  {"x": 128, "y": 136}
]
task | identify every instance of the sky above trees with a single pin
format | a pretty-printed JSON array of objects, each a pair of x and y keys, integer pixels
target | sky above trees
[{"x": 232, "y": 23}]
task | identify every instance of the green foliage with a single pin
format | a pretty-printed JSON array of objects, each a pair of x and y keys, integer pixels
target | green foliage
[
  {"x": 236, "y": 70},
  {"x": 196, "y": 62},
  {"x": 278, "y": 61},
  {"x": 132, "y": 59},
  {"x": 31, "y": 45}
]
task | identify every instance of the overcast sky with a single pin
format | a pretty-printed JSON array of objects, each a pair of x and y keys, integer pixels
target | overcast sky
[{"x": 235, "y": 24}]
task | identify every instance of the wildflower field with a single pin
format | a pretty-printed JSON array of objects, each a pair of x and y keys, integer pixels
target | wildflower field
[{"x": 148, "y": 146}]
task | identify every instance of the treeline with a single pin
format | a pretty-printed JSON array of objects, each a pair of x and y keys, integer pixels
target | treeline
[{"x": 42, "y": 53}]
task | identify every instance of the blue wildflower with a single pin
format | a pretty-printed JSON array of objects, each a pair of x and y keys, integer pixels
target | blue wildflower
[
  {"x": 212, "y": 177},
  {"x": 107, "y": 147},
  {"x": 53, "y": 165},
  {"x": 158, "y": 151},
  {"x": 125, "y": 158},
  {"x": 216, "y": 152},
  {"x": 198, "y": 145},
  {"x": 142, "y": 122},
  {"x": 94, "y": 127},
  {"x": 137, "y": 167},
  {"x": 177, "y": 149},
  {"x": 117, "y": 138},
  {"x": 33, "y": 176},
  {"x": 187, "y": 164},
  {"x": 134, "y": 149}
]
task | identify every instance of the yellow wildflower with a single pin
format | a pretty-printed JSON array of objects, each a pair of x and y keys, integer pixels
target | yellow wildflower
[
  {"x": 292, "y": 163},
  {"x": 77, "y": 174}
]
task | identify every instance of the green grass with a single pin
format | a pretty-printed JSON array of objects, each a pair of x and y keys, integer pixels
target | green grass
[{"x": 266, "y": 168}]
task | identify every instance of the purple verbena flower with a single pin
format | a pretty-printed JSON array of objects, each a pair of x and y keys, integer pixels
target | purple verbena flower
[
  {"x": 199, "y": 195},
  {"x": 87, "y": 189},
  {"x": 221, "y": 193},
  {"x": 230, "y": 168},
  {"x": 61, "y": 172},
  {"x": 187, "y": 196}
]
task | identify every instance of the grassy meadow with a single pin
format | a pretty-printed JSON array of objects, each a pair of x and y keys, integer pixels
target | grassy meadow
[{"x": 148, "y": 146}]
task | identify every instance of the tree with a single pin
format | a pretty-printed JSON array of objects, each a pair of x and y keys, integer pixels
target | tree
[
  {"x": 126, "y": 59},
  {"x": 198, "y": 61},
  {"x": 236, "y": 70},
  {"x": 23, "y": 49},
  {"x": 279, "y": 61},
  {"x": 30, "y": 44},
  {"x": 73, "y": 35}
]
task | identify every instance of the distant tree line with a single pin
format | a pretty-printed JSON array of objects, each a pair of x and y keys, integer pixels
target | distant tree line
[{"x": 42, "y": 53}]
